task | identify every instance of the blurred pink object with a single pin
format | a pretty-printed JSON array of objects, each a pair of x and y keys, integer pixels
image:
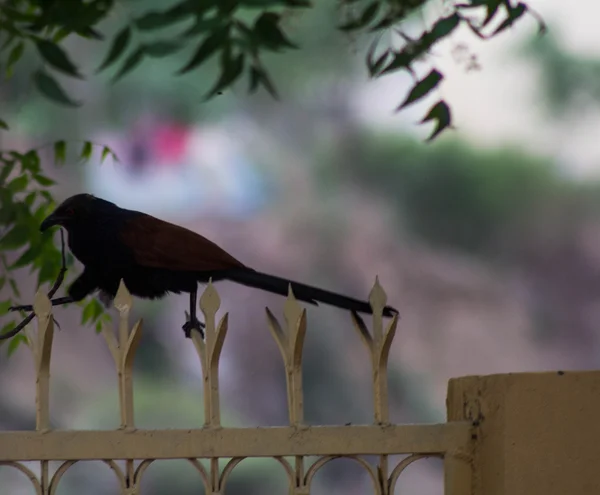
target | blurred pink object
[{"x": 170, "y": 143}]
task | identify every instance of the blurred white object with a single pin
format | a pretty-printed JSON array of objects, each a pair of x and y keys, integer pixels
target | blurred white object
[{"x": 171, "y": 171}]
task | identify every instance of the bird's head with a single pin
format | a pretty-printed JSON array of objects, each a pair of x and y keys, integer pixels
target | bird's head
[{"x": 70, "y": 212}]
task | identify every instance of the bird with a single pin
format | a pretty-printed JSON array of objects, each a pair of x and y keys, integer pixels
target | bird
[{"x": 154, "y": 257}]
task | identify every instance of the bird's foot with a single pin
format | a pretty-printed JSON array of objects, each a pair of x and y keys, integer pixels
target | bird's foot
[
  {"x": 194, "y": 324},
  {"x": 25, "y": 307}
]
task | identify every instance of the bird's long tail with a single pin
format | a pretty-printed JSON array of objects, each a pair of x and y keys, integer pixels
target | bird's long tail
[{"x": 302, "y": 292}]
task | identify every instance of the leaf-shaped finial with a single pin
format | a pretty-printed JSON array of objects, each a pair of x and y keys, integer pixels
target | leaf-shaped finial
[
  {"x": 41, "y": 304},
  {"x": 210, "y": 302},
  {"x": 277, "y": 332},
  {"x": 291, "y": 308},
  {"x": 377, "y": 297},
  {"x": 123, "y": 300}
]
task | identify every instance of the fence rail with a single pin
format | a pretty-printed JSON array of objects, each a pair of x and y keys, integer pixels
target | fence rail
[
  {"x": 289, "y": 445},
  {"x": 233, "y": 442}
]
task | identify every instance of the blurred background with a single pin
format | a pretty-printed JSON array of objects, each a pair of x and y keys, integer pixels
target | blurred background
[{"x": 487, "y": 240}]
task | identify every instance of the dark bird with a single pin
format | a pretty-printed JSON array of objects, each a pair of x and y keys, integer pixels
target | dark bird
[{"x": 154, "y": 258}]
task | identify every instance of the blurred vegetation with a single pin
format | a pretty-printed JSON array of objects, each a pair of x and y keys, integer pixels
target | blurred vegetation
[
  {"x": 568, "y": 82},
  {"x": 449, "y": 194}
]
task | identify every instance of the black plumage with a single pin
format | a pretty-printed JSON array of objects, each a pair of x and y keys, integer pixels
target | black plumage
[{"x": 154, "y": 258}]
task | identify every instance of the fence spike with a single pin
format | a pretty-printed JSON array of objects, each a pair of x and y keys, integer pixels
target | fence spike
[
  {"x": 40, "y": 343},
  {"x": 210, "y": 301},
  {"x": 291, "y": 345},
  {"x": 209, "y": 352},
  {"x": 123, "y": 301},
  {"x": 42, "y": 306},
  {"x": 377, "y": 297}
]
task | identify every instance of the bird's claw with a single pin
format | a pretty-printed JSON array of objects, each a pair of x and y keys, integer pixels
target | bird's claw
[
  {"x": 193, "y": 325},
  {"x": 26, "y": 307}
]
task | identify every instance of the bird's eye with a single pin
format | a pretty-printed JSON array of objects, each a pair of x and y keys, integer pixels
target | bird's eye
[{"x": 70, "y": 212}]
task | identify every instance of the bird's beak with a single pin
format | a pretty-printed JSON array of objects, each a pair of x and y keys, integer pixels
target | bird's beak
[{"x": 49, "y": 221}]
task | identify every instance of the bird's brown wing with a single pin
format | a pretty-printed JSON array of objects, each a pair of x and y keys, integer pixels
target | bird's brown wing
[{"x": 161, "y": 244}]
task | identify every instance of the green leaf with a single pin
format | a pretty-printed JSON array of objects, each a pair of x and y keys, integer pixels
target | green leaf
[
  {"x": 422, "y": 88},
  {"x": 3, "y": 125},
  {"x": 162, "y": 48},
  {"x": 86, "y": 151},
  {"x": 226, "y": 7},
  {"x": 401, "y": 60},
  {"x": 379, "y": 63},
  {"x": 206, "y": 49},
  {"x": 15, "y": 54},
  {"x": 17, "y": 156},
  {"x": 513, "y": 14},
  {"x": 491, "y": 7},
  {"x": 263, "y": 4},
  {"x": 30, "y": 199},
  {"x": 31, "y": 161},
  {"x": 118, "y": 46},
  {"x": 258, "y": 76},
  {"x": 47, "y": 273},
  {"x": 417, "y": 48},
  {"x": 42, "y": 180},
  {"x": 231, "y": 69},
  {"x": 391, "y": 17},
  {"x": 28, "y": 256},
  {"x": 51, "y": 89},
  {"x": 92, "y": 311},
  {"x": 203, "y": 25},
  {"x": 444, "y": 27},
  {"x": 17, "y": 15},
  {"x": 17, "y": 237},
  {"x": 14, "y": 343},
  {"x": 267, "y": 29},
  {"x": 6, "y": 171},
  {"x": 14, "y": 287},
  {"x": 7, "y": 42},
  {"x": 375, "y": 66},
  {"x": 130, "y": 63},
  {"x": 18, "y": 184},
  {"x": 158, "y": 20},
  {"x": 4, "y": 305},
  {"x": 440, "y": 113},
  {"x": 48, "y": 197},
  {"x": 364, "y": 19},
  {"x": 90, "y": 33},
  {"x": 106, "y": 151},
  {"x": 60, "y": 152},
  {"x": 57, "y": 58}
]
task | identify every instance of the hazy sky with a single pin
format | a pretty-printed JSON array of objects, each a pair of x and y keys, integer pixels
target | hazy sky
[{"x": 497, "y": 104}]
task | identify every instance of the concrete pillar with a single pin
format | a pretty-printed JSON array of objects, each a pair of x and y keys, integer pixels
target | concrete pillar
[{"x": 536, "y": 433}]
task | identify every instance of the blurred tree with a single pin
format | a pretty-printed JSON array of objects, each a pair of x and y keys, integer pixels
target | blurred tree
[
  {"x": 236, "y": 33},
  {"x": 449, "y": 195},
  {"x": 568, "y": 82}
]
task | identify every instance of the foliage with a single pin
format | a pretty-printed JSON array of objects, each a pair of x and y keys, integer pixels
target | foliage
[
  {"x": 237, "y": 33},
  {"x": 567, "y": 82},
  {"x": 25, "y": 200}
]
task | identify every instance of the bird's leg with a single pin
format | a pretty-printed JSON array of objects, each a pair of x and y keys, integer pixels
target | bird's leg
[
  {"x": 193, "y": 323},
  {"x": 57, "y": 283},
  {"x": 55, "y": 302}
]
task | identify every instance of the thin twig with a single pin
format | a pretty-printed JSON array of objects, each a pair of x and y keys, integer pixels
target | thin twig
[{"x": 57, "y": 283}]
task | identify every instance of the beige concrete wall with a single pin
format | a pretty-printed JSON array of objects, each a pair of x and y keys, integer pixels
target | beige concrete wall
[{"x": 536, "y": 434}]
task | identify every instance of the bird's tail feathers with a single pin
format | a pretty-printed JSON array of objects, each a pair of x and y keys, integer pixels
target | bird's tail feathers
[{"x": 302, "y": 292}]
